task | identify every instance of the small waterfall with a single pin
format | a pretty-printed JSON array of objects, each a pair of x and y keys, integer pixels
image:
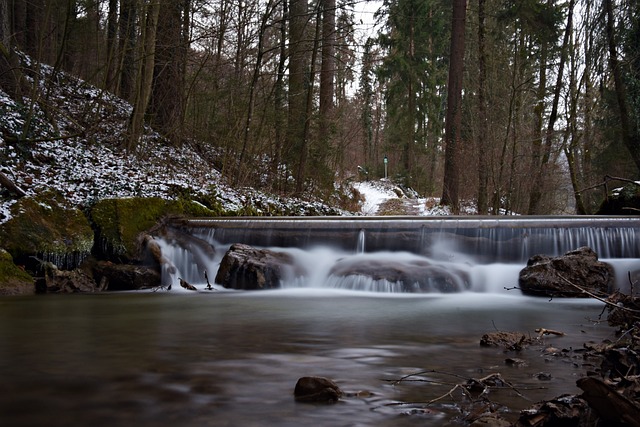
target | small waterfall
[
  {"x": 360, "y": 248},
  {"x": 403, "y": 254}
]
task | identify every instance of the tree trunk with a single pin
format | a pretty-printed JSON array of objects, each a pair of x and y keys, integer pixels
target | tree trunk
[
  {"x": 278, "y": 100},
  {"x": 166, "y": 105},
  {"x": 483, "y": 166},
  {"x": 327, "y": 69},
  {"x": 304, "y": 152},
  {"x": 298, "y": 66},
  {"x": 630, "y": 138},
  {"x": 10, "y": 75},
  {"x": 252, "y": 89},
  {"x": 450, "y": 192},
  {"x": 112, "y": 31},
  {"x": 540, "y": 173},
  {"x": 126, "y": 49},
  {"x": 144, "y": 81}
]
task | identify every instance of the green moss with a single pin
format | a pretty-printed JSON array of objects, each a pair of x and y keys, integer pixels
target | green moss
[
  {"x": 119, "y": 222},
  {"x": 45, "y": 225},
  {"x": 13, "y": 280},
  {"x": 622, "y": 201}
]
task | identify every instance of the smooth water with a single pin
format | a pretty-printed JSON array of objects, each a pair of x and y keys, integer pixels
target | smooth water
[
  {"x": 229, "y": 358},
  {"x": 233, "y": 358}
]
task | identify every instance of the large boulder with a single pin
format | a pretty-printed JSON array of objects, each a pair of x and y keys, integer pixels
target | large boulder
[
  {"x": 622, "y": 201},
  {"x": 13, "y": 279},
  {"x": 552, "y": 277},
  {"x": 413, "y": 275},
  {"x": 246, "y": 267},
  {"x": 46, "y": 229}
]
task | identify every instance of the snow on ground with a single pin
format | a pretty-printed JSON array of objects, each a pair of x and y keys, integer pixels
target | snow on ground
[
  {"x": 81, "y": 155},
  {"x": 374, "y": 193},
  {"x": 377, "y": 193}
]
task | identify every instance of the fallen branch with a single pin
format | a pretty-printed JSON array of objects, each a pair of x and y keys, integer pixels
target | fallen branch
[
  {"x": 592, "y": 295},
  {"x": 543, "y": 331},
  {"x": 6, "y": 182},
  {"x": 430, "y": 371},
  {"x": 608, "y": 178}
]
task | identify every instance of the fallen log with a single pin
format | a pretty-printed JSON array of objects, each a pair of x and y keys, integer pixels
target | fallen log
[{"x": 6, "y": 182}]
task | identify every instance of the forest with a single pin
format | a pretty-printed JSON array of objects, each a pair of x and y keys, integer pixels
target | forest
[{"x": 522, "y": 106}]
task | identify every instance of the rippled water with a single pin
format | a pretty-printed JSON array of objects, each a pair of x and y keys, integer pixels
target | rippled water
[{"x": 231, "y": 358}]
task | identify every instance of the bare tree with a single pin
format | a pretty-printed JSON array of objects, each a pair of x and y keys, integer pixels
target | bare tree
[
  {"x": 450, "y": 192},
  {"x": 630, "y": 138},
  {"x": 144, "y": 79},
  {"x": 483, "y": 166}
]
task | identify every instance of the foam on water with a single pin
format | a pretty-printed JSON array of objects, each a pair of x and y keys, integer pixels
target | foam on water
[{"x": 468, "y": 255}]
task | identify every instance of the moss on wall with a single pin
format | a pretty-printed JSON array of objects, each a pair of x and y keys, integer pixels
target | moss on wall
[
  {"x": 622, "y": 201},
  {"x": 45, "y": 227},
  {"x": 14, "y": 280},
  {"x": 119, "y": 222}
]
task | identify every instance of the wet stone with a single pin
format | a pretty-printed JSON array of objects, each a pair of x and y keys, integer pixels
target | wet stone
[{"x": 317, "y": 389}]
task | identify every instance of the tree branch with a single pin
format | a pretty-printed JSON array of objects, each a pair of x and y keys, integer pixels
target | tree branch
[{"x": 11, "y": 186}]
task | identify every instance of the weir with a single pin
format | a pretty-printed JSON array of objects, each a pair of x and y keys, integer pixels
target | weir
[
  {"x": 484, "y": 247},
  {"x": 487, "y": 239}
]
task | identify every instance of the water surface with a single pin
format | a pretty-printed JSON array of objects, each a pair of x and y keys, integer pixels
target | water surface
[{"x": 233, "y": 358}]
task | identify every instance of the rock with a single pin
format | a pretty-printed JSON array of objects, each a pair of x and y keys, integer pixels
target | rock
[
  {"x": 65, "y": 281},
  {"x": 622, "y": 201},
  {"x": 124, "y": 277},
  {"x": 119, "y": 223},
  {"x": 490, "y": 420},
  {"x": 13, "y": 279},
  {"x": 508, "y": 340},
  {"x": 545, "y": 276},
  {"x": 188, "y": 286},
  {"x": 612, "y": 407},
  {"x": 401, "y": 276},
  {"x": 565, "y": 410},
  {"x": 245, "y": 267},
  {"x": 46, "y": 228},
  {"x": 316, "y": 389}
]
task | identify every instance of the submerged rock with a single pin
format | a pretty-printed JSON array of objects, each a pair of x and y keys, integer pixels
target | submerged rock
[
  {"x": 317, "y": 389},
  {"x": 552, "y": 277},
  {"x": 416, "y": 275},
  {"x": 508, "y": 340},
  {"x": 245, "y": 267}
]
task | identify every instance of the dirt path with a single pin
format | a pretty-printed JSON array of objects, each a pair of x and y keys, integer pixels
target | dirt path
[{"x": 399, "y": 207}]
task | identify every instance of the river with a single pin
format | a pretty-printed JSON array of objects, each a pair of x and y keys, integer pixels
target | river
[{"x": 224, "y": 358}]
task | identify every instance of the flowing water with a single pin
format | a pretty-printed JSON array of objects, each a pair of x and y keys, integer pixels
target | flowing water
[
  {"x": 233, "y": 358},
  {"x": 229, "y": 358}
]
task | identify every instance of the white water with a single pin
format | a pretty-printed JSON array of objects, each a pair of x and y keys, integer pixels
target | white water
[
  {"x": 318, "y": 262},
  {"x": 483, "y": 255}
]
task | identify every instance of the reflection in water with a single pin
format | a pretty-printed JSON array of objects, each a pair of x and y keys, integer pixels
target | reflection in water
[{"x": 232, "y": 358}]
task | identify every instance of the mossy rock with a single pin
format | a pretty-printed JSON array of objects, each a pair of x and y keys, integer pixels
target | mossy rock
[
  {"x": 622, "y": 201},
  {"x": 46, "y": 228},
  {"x": 13, "y": 279},
  {"x": 118, "y": 223}
]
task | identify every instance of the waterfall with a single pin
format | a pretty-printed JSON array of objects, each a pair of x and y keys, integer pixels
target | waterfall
[
  {"x": 360, "y": 248},
  {"x": 477, "y": 254}
]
